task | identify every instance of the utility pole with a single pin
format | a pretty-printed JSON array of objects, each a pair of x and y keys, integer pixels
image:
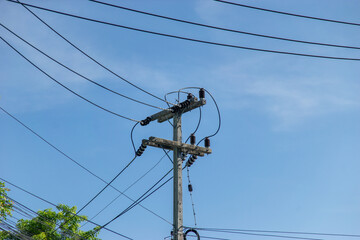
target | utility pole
[
  {"x": 177, "y": 160},
  {"x": 179, "y": 149}
]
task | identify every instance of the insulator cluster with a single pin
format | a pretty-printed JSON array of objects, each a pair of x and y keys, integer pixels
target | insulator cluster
[
  {"x": 181, "y": 106},
  {"x": 141, "y": 150},
  {"x": 191, "y": 160},
  {"x": 185, "y": 103},
  {"x": 145, "y": 122}
]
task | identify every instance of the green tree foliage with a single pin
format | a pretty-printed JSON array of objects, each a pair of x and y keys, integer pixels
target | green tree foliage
[
  {"x": 5, "y": 203},
  {"x": 51, "y": 225}
]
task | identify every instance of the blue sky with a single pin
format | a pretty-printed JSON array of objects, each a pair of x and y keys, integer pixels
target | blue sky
[{"x": 287, "y": 155}]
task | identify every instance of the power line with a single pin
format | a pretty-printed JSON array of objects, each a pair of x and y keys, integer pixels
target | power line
[
  {"x": 130, "y": 186},
  {"x": 108, "y": 184},
  {"x": 217, "y": 109},
  {"x": 191, "y": 196},
  {"x": 141, "y": 198},
  {"x": 77, "y": 163},
  {"x": 283, "y": 232},
  {"x": 39, "y": 217},
  {"x": 192, "y": 39},
  {"x": 131, "y": 136},
  {"x": 96, "y": 195},
  {"x": 223, "y": 29},
  {"x": 75, "y": 72},
  {"x": 199, "y": 122},
  {"x": 59, "y": 83},
  {"x": 208, "y": 237},
  {"x": 50, "y": 203},
  {"x": 87, "y": 55},
  {"x": 289, "y": 14},
  {"x": 259, "y": 234},
  {"x": 8, "y": 231}
]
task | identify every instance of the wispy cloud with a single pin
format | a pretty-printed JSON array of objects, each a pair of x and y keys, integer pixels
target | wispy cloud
[
  {"x": 291, "y": 100},
  {"x": 30, "y": 90}
]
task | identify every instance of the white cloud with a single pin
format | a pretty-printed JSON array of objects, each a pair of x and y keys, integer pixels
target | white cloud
[{"x": 290, "y": 99}]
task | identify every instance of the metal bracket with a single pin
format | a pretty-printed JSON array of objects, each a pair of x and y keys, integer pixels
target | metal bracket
[
  {"x": 168, "y": 114},
  {"x": 170, "y": 145}
]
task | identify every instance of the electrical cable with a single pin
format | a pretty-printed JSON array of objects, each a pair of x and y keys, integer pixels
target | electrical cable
[
  {"x": 190, "y": 39},
  {"x": 284, "y": 232},
  {"x": 50, "y": 203},
  {"x": 87, "y": 55},
  {"x": 9, "y": 232},
  {"x": 198, "y": 125},
  {"x": 207, "y": 237},
  {"x": 289, "y": 14},
  {"x": 59, "y": 83},
  {"x": 77, "y": 163},
  {"x": 96, "y": 195},
  {"x": 130, "y": 186},
  {"x": 141, "y": 198},
  {"x": 191, "y": 230},
  {"x": 260, "y": 234},
  {"x": 78, "y": 74},
  {"x": 218, "y": 111},
  {"x": 11, "y": 229},
  {"x": 167, "y": 154},
  {"x": 221, "y": 28},
  {"x": 131, "y": 137},
  {"x": 191, "y": 196},
  {"x": 40, "y": 216}
]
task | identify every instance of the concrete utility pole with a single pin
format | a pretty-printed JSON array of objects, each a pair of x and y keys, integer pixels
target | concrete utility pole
[
  {"x": 177, "y": 160},
  {"x": 178, "y": 148}
]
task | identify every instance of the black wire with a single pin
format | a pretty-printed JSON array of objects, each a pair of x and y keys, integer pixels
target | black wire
[
  {"x": 127, "y": 188},
  {"x": 134, "y": 205},
  {"x": 141, "y": 198},
  {"x": 285, "y": 232},
  {"x": 167, "y": 154},
  {"x": 96, "y": 195},
  {"x": 259, "y": 234},
  {"x": 207, "y": 237},
  {"x": 131, "y": 137},
  {"x": 191, "y": 197},
  {"x": 165, "y": 96},
  {"x": 197, "y": 126},
  {"x": 78, "y": 74},
  {"x": 9, "y": 232},
  {"x": 40, "y": 216},
  {"x": 191, "y": 39},
  {"x": 149, "y": 194},
  {"x": 77, "y": 163},
  {"x": 218, "y": 111},
  {"x": 73, "y": 92},
  {"x": 48, "y": 202},
  {"x": 12, "y": 231},
  {"x": 289, "y": 14},
  {"x": 225, "y": 29},
  {"x": 85, "y": 54},
  {"x": 50, "y": 144},
  {"x": 107, "y": 185}
]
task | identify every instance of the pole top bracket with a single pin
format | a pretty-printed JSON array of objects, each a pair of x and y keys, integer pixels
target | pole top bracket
[{"x": 170, "y": 145}]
